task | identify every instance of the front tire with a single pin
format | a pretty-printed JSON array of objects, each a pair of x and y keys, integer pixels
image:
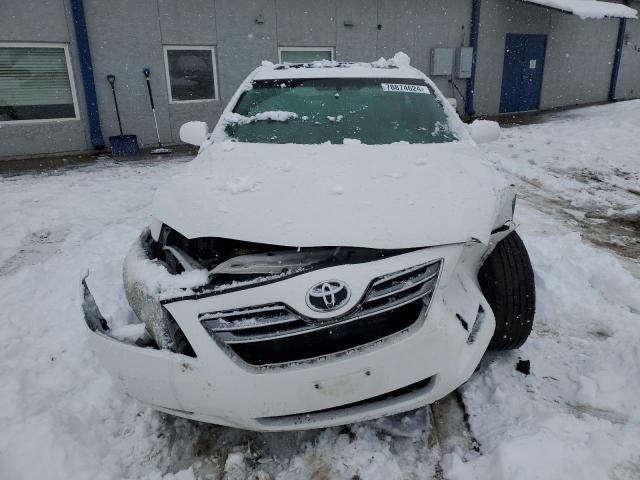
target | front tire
[{"x": 507, "y": 282}]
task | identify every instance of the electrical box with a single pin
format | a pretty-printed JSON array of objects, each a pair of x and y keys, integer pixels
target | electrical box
[
  {"x": 442, "y": 62},
  {"x": 465, "y": 61}
]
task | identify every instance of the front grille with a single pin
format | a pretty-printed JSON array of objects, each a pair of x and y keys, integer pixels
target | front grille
[{"x": 276, "y": 334}]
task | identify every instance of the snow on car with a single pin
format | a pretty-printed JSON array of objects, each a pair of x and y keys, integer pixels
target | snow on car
[{"x": 338, "y": 251}]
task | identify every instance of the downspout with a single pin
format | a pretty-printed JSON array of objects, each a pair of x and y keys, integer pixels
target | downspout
[
  {"x": 471, "y": 82},
  {"x": 77, "y": 9},
  {"x": 617, "y": 59}
]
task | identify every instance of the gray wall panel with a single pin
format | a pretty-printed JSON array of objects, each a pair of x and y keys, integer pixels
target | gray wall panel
[
  {"x": 186, "y": 112},
  {"x": 43, "y": 21},
  {"x": 629, "y": 79},
  {"x": 187, "y": 22},
  {"x": 33, "y": 21},
  {"x": 579, "y": 61},
  {"x": 122, "y": 46},
  {"x": 358, "y": 42},
  {"x": 243, "y": 43},
  {"x": 441, "y": 23},
  {"x": 40, "y": 138},
  {"x": 306, "y": 22},
  {"x": 398, "y": 19}
]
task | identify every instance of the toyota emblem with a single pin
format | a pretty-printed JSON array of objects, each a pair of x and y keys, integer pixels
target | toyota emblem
[{"x": 328, "y": 296}]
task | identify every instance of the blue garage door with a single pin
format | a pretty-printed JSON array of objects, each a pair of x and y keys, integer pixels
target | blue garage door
[{"x": 522, "y": 74}]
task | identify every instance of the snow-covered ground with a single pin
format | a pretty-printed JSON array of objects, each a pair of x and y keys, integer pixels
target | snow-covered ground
[
  {"x": 583, "y": 167},
  {"x": 575, "y": 416}
]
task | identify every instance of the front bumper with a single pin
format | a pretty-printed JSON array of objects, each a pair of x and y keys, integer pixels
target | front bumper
[{"x": 404, "y": 371}]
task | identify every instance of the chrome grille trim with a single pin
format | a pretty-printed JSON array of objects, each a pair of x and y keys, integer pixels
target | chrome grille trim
[
  {"x": 393, "y": 291},
  {"x": 269, "y": 323},
  {"x": 248, "y": 318},
  {"x": 406, "y": 271}
]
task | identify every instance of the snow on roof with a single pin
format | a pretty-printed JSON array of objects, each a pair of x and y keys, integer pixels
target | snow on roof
[
  {"x": 589, "y": 8},
  {"x": 396, "y": 67}
]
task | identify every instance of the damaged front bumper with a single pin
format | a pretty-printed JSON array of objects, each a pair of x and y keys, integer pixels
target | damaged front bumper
[{"x": 222, "y": 384}]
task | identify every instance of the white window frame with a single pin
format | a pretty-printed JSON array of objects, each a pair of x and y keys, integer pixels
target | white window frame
[
  {"x": 216, "y": 87},
  {"x": 306, "y": 49},
  {"x": 72, "y": 83}
]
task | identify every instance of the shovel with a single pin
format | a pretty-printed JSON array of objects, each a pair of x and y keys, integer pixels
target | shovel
[
  {"x": 121, "y": 145},
  {"x": 161, "y": 150}
]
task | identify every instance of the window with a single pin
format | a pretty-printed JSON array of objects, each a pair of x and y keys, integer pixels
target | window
[
  {"x": 305, "y": 54},
  {"x": 36, "y": 83},
  {"x": 191, "y": 74}
]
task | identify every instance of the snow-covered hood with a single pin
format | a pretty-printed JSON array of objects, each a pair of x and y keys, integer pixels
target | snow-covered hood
[{"x": 377, "y": 196}]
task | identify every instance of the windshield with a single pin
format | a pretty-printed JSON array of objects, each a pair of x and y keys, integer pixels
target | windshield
[{"x": 374, "y": 111}]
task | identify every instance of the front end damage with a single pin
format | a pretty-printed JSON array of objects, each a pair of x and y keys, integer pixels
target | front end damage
[{"x": 233, "y": 340}]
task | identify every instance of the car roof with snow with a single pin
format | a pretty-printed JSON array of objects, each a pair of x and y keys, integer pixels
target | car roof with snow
[{"x": 397, "y": 67}]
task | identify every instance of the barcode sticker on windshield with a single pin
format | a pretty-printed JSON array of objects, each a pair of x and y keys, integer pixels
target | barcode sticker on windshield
[{"x": 404, "y": 87}]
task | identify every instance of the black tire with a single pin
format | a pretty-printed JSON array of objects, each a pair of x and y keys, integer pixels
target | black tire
[{"x": 506, "y": 280}]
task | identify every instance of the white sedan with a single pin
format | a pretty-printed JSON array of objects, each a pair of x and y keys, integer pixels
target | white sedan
[{"x": 337, "y": 251}]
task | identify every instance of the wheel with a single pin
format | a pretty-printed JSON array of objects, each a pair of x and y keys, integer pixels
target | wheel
[{"x": 506, "y": 280}]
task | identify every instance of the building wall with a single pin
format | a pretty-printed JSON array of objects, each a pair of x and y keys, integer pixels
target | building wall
[
  {"x": 497, "y": 18},
  {"x": 126, "y": 36},
  {"x": 629, "y": 77},
  {"x": 124, "y": 40},
  {"x": 359, "y": 41},
  {"x": 579, "y": 61},
  {"x": 438, "y": 24},
  {"x": 51, "y": 24}
]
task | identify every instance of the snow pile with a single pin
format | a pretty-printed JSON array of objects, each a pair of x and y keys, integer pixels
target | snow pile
[
  {"x": 323, "y": 64},
  {"x": 129, "y": 333},
  {"x": 584, "y": 162},
  {"x": 400, "y": 59},
  {"x": 181, "y": 475},
  {"x": 315, "y": 64},
  {"x": 156, "y": 278},
  {"x": 589, "y": 8},
  {"x": 575, "y": 416},
  {"x": 484, "y": 131},
  {"x": 234, "y": 467},
  {"x": 274, "y": 116}
]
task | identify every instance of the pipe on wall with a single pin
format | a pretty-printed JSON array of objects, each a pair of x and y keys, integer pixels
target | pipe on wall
[
  {"x": 80, "y": 24},
  {"x": 617, "y": 59},
  {"x": 471, "y": 82}
]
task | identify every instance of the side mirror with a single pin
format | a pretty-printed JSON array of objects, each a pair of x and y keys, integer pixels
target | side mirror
[
  {"x": 194, "y": 133},
  {"x": 484, "y": 131}
]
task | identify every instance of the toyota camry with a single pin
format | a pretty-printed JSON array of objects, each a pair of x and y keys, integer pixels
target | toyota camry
[{"x": 338, "y": 251}]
